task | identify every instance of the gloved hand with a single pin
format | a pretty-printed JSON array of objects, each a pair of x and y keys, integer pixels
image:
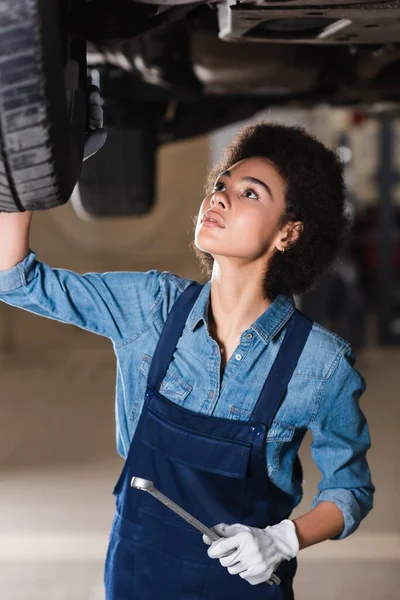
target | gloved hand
[
  {"x": 96, "y": 136},
  {"x": 251, "y": 552}
]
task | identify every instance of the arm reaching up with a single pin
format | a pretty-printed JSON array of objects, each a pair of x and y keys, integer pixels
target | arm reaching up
[{"x": 14, "y": 238}]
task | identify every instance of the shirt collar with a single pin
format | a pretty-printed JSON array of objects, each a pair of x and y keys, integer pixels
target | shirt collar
[{"x": 268, "y": 324}]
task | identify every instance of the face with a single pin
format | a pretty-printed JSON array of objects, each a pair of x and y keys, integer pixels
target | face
[{"x": 247, "y": 203}]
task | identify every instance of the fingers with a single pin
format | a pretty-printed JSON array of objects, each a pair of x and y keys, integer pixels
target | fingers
[
  {"x": 95, "y": 110},
  {"x": 236, "y": 569},
  {"x": 92, "y": 89},
  {"x": 95, "y": 116},
  {"x": 223, "y": 547},
  {"x": 232, "y": 536},
  {"x": 256, "y": 579},
  {"x": 244, "y": 551},
  {"x": 230, "y": 560}
]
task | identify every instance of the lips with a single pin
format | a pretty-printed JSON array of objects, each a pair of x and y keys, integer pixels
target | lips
[{"x": 213, "y": 217}]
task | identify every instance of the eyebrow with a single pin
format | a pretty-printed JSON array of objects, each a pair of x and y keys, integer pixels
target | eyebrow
[{"x": 250, "y": 180}]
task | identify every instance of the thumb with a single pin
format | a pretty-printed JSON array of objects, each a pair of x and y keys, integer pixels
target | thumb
[
  {"x": 219, "y": 530},
  {"x": 94, "y": 141}
]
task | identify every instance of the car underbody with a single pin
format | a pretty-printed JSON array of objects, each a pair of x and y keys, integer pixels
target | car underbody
[
  {"x": 170, "y": 70},
  {"x": 291, "y": 51}
]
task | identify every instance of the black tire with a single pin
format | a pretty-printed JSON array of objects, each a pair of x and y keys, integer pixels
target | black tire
[{"x": 42, "y": 105}]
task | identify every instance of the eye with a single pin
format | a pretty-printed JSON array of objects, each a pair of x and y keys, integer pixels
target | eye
[
  {"x": 249, "y": 193},
  {"x": 218, "y": 186}
]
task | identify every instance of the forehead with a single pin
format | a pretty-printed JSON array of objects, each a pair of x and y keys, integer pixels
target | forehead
[
  {"x": 253, "y": 166},
  {"x": 260, "y": 168}
]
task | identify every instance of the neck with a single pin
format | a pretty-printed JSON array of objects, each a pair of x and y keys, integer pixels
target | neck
[{"x": 237, "y": 300}]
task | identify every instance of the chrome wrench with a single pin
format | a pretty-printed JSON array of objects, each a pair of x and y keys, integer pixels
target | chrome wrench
[{"x": 147, "y": 486}]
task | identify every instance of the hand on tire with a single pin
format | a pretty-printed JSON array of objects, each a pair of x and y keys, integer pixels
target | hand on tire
[{"x": 96, "y": 136}]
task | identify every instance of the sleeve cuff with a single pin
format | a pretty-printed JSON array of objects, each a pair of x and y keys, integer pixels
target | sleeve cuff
[
  {"x": 16, "y": 277},
  {"x": 346, "y": 502}
]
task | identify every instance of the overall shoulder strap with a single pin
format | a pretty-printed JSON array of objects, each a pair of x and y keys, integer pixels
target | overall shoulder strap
[
  {"x": 171, "y": 333},
  {"x": 275, "y": 385}
]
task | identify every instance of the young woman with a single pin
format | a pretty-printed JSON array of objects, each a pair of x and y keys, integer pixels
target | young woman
[{"x": 218, "y": 384}]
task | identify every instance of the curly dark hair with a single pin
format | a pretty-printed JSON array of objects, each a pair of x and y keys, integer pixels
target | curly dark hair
[{"x": 314, "y": 194}]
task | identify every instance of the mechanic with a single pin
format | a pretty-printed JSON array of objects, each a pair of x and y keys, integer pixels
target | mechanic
[{"x": 217, "y": 384}]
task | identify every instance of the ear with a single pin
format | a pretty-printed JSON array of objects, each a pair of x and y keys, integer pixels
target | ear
[{"x": 289, "y": 235}]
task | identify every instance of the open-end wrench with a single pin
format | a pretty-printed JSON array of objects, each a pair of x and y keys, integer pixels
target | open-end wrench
[{"x": 147, "y": 486}]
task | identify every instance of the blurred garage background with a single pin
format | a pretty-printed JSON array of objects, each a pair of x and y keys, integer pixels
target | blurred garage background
[{"x": 57, "y": 444}]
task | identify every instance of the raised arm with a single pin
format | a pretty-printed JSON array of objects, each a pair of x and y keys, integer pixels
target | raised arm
[
  {"x": 117, "y": 305},
  {"x": 14, "y": 238}
]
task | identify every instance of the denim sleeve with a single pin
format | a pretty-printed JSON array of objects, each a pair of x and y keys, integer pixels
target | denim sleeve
[
  {"x": 116, "y": 305},
  {"x": 340, "y": 440}
]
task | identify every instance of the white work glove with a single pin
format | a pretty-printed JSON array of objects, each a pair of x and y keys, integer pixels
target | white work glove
[
  {"x": 96, "y": 135},
  {"x": 251, "y": 552}
]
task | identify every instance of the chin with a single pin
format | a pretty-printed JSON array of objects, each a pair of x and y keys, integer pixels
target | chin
[
  {"x": 202, "y": 242},
  {"x": 203, "y": 247}
]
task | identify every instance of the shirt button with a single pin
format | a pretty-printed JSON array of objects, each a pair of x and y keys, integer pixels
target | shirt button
[
  {"x": 238, "y": 357},
  {"x": 249, "y": 336}
]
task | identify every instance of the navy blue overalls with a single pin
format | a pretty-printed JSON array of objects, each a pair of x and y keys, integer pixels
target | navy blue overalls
[{"x": 214, "y": 468}]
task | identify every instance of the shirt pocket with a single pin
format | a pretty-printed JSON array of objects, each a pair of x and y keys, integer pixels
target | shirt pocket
[
  {"x": 172, "y": 387},
  {"x": 278, "y": 439}
]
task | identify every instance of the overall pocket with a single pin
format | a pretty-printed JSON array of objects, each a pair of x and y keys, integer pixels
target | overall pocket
[{"x": 204, "y": 474}]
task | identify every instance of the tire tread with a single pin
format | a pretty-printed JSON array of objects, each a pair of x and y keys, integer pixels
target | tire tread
[{"x": 25, "y": 142}]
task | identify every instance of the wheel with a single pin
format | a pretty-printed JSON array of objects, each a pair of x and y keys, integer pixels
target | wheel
[{"x": 42, "y": 104}]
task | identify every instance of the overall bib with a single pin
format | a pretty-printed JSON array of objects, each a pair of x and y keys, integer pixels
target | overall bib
[{"x": 215, "y": 468}]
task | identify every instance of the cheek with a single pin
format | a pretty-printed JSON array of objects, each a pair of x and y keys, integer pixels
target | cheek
[
  {"x": 250, "y": 224},
  {"x": 256, "y": 231}
]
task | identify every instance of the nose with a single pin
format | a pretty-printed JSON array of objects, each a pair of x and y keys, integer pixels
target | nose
[{"x": 220, "y": 199}]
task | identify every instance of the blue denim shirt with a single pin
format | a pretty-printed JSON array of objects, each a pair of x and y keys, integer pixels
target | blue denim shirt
[{"x": 131, "y": 308}]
